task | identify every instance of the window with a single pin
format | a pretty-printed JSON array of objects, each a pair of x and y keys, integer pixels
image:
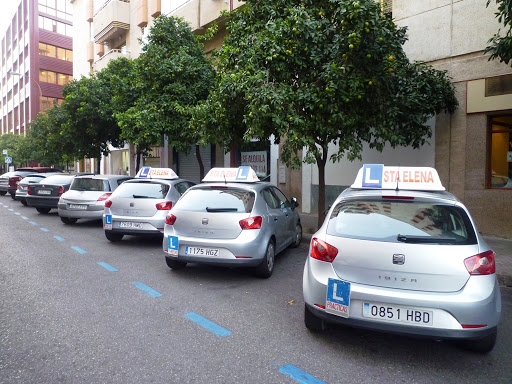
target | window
[
  {"x": 500, "y": 173},
  {"x": 217, "y": 200},
  {"x": 54, "y": 78},
  {"x": 53, "y": 51}
]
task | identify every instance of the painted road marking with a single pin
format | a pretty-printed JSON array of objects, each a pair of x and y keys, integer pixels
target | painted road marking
[
  {"x": 143, "y": 287},
  {"x": 108, "y": 267},
  {"x": 209, "y": 325},
  {"x": 59, "y": 238},
  {"x": 44, "y": 229},
  {"x": 79, "y": 250},
  {"x": 299, "y": 375},
  {"x": 17, "y": 213},
  {"x": 10, "y": 209},
  {"x": 33, "y": 223},
  {"x": 24, "y": 217}
]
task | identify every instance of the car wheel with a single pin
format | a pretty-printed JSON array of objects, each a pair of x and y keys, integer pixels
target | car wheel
[
  {"x": 266, "y": 267},
  {"x": 113, "y": 237},
  {"x": 24, "y": 203},
  {"x": 313, "y": 323},
  {"x": 2, "y": 193},
  {"x": 483, "y": 345},
  {"x": 175, "y": 264},
  {"x": 68, "y": 220},
  {"x": 298, "y": 236},
  {"x": 43, "y": 210}
]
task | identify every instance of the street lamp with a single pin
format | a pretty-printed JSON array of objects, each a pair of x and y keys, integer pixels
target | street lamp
[{"x": 12, "y": 73}]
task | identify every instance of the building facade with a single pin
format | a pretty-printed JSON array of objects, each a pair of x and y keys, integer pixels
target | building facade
[
  {"x": 37, "y": 61},
  {"x": 471, "y": 149}
]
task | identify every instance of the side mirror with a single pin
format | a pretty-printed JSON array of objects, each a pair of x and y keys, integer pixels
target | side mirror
[{"x": 295, "y": 203}]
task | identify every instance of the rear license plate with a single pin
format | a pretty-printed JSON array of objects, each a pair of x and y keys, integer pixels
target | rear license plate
[
  {"x": 338, "y": 297},
  {"x": 199, "y": 251},
  {"x": 44, "y": 192},
  {"x": 129, "y": 224},
  {"x": 396, "y": 313},
  {"x": 78, "y": 206}
]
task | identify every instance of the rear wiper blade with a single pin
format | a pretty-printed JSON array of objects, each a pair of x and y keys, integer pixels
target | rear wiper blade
[
  {"x": 208, "y": 209},
  {"x": 141, "y": 197},
  {"x": 425, "y": 239}
]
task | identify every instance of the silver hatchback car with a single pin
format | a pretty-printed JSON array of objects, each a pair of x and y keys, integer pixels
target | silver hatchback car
[
  {"x": 231, "y": 219},
  {"x": 397, "y": 253},
  {"x": 86, "y": 197},
  {"x": 139, "y": 206}
]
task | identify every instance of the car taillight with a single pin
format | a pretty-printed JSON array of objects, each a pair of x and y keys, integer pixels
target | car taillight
[
  {"x": 320, "y": 250},
  {"x": 29, "y": 192},
  {"x": 251, "y": 223},
  {"x": 481, "y": 264},
  {"x": 61, "y": 191},
  {"x": 105, "y": 196},
  {"x": 170, "y": 219},
  {"x": 108, "y": 203},
  {"x": 164, "y": 205}
]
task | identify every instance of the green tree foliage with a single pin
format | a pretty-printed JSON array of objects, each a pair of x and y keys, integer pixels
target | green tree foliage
[
  {"x": 14, "y": 144},
  {"x": 315, "y": 72},
  {"x": 500, "y": 47},
  {"x": 172, "y": 75}
]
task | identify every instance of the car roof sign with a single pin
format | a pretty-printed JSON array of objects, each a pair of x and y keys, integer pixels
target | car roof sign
[
  {"x": 379, "y": 176},
  {"x": 243, "y": 174},
  {"x": 156, "y": 173}
]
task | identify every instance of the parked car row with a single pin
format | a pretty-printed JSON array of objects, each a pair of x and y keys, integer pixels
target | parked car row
[{"x": 396, "y": 252}]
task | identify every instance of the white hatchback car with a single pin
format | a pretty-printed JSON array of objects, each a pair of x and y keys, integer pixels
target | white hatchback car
[{"x": 397, "y": 253}]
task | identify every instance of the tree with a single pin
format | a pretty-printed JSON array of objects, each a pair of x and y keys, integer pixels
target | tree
[
  {"x": 315, "y": 72},
  {"x": 501, "y": 46},
  {"x": 172, "y": 74},
  {"x": 13, "y": 144}
]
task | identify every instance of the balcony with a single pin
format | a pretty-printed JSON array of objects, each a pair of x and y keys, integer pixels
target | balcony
[
  {"x": 113, "y": 54},
  {"x": 111, "y": 20}
]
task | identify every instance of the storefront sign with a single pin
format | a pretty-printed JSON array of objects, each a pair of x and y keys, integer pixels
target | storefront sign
[{"x": 256, "y": 160}]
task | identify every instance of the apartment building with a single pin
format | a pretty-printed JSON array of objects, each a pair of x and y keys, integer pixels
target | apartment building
[
  {"x": 471, "y": 149},
  {"x": 37, "y": 61}
]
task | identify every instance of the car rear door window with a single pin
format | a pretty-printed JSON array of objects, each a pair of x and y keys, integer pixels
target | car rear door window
[{"x": 401, "y": 222}]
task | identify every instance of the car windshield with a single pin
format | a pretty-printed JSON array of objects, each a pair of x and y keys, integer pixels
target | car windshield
[
  {"x": 58, "y": 179},
  {"x": 90, "y": 184},
  {"x": 408, "y": 222},
  {"x": 142, "y": 190},
  {"x": 217, "y": 200}
]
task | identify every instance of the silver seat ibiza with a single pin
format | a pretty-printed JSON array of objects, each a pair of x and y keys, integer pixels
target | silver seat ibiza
[
  {"x": 231, "y": 219},
  {"x": 139, "y": 206},
  {"x": 397, "y": 253}
]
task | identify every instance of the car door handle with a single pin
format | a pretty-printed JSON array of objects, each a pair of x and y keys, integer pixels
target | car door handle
[{"x": 276, "y": 219}]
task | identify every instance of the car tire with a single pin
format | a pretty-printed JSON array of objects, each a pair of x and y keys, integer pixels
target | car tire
[
  {"x": 483, "y": 345},
  {"x": 3, "y": 193},
  {"x": 24, "y": 203},
  {"x": 313, "y": 323},
  {"x": 43, "y": 210},
  {"x": 13, "y": 196},
  {"x": 113, "y": 237},
  {"x": 68, "y": 220},
  {"x": 175, "y": 264},
  {"x": 297, "y": 236},
  {"x": 266, "y": 267}
]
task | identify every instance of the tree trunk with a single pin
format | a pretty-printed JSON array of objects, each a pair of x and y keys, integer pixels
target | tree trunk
[
  {"x": 98, "y": 165},
  {"x": 321, "y": 187},
  {"x": 200, "y": 162},
  {"x": 137, "y": 161}
]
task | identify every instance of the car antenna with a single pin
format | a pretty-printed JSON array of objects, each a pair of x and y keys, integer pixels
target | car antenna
[
  {"x": 224, "y": 174},
  {"x": 397, "y": 179}
]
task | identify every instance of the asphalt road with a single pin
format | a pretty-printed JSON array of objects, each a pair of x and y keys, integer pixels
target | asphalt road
[{"x": 64, "y": 318}]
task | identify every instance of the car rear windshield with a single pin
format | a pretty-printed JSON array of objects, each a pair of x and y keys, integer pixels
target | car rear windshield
[
  {"x": 407, "y": 222},
  {"x": 217, "y": 200},
  {"x": 58, "y": 179},
  {"x": 142, "y": 190},
  {"x": 90, "y": 184}
]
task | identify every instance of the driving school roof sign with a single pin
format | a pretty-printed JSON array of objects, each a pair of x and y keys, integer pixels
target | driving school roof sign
[
  {"x": 244, "y": 174},
  {"x": 378, "y": 176},
  {"x": 156, "y": 173}
]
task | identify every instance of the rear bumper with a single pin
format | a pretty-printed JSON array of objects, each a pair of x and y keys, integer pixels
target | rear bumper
[
  {"x": 92, "y": 212},
  {"x": 42, "y": 202}
]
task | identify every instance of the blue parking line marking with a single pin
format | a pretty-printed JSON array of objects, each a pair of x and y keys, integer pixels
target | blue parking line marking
[
  {"x": 17, "y": 213},
  {"x": 299, "y": 375},
  {"x": 108, "y": 267},
  {"x": 143, "y": 287},
  {"x": 24, "y": 217},
  {"x": 79, "y": 250},
  {"x": 60, "y": 238},
  {"x": 209, "y": 325},
  {"x": 33, "y": 223},
  {"x": 10, "y": 209},
  {"x": 44, "y": 229}
]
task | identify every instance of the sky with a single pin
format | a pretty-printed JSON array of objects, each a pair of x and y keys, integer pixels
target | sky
[{"x": 7, "y": 11}]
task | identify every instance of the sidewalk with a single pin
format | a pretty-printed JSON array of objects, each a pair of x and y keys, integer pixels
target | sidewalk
[{"x": 502, "y": 248}]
